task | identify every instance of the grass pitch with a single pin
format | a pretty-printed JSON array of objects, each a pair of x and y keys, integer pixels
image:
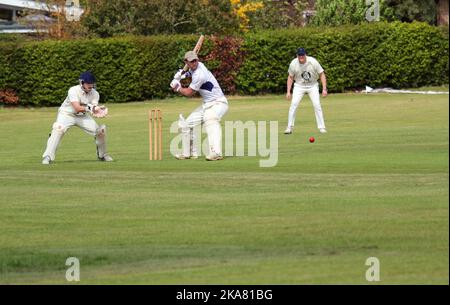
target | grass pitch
[{"x": 376, "y": 185}]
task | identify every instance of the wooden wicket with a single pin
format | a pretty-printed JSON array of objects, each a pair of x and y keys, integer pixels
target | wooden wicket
[{"x": 155, "y": 134}]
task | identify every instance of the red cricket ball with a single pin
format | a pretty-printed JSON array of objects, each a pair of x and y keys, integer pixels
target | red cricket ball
[{"x": 311, "y": 140}]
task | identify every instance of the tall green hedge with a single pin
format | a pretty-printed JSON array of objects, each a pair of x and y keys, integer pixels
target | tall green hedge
[
  {"x": 138, "y": 68},
  {"x": 376, "y": 54},
  {"x": 127, "y": 68}
]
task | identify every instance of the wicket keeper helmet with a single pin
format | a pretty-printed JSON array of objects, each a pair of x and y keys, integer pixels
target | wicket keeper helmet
[{"x": 87, "y": 77}]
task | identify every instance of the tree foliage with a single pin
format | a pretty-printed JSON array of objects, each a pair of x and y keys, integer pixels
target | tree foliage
[
  {"x": 341, "y": 12},
  {"x": 107, "y": 18},
  {"x": 279, "y": 14},
  {"x": 53, "y": 22},
  {"x": 242, "y": 9},
  {"x": 410, "y": 10}
]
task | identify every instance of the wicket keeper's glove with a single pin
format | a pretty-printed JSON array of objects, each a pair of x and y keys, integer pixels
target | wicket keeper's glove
[
  {"x": 100, "y": 112},
  {"x": 90, "y": 108}
]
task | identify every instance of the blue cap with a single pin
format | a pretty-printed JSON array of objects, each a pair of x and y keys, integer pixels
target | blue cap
[
  {"x": 87, "y": 77},
  {"x": 301, "y": 52}
]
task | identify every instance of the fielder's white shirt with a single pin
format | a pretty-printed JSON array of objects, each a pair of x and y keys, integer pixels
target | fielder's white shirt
[
  {"x": 307, "y": 74},
  {"x": 77, "y": 94},
  {"x": 206, "y": 84}
]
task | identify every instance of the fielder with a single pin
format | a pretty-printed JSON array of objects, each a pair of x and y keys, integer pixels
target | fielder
[
  {"x": 213, "y": 108},
  {"x": 304, "y": 71},
  {"x": 77, "y": 109}
]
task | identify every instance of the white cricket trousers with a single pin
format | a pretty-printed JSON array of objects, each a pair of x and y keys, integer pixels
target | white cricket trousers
[
  {"x": 85, "y": 122},
  {"x": 197, "y": 116},
  {"x": 297, "y": 96},
  {"x": 209, "y": 114},
  {"x": 65, "y": 121}
]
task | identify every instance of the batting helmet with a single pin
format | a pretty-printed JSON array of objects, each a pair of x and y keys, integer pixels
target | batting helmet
[{"x": 87, "y": 77}]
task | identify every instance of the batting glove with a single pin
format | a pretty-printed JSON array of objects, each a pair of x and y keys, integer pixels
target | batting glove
[
  {"x": 182, "y": 75},
  {"x": 179, "y": 75},
  {"x": 175, "y": 85}
]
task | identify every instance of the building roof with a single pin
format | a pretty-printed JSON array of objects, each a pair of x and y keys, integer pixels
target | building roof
[
  {"x": 22, "y": 4},
  {"x": 72, "y": 13},
  {"x": 37, "y": 5}
]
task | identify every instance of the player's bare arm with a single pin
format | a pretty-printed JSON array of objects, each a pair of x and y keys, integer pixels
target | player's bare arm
[
  {"x": 85, "y": 108},
  {"x": 187, "y": 91},
  {"x": 323, "y": 80},
  {"x": 176, "y": 87},
  {"x": 78, "y": 107},
  {"x": 290, "y": 81}
]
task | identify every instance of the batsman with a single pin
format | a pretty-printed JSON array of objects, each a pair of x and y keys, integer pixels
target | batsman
[{"x": 213, "y": 108}]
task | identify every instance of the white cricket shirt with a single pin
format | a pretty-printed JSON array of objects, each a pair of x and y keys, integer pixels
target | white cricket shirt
[
  {"x": 77, "y": 94},
  {"x": 307, "y": 74},
  {"x": 206, "y": 84}
]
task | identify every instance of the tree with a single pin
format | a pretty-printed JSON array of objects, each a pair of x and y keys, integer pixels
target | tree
[
  {"x": 340, "y": 12},
  {"x": 107, "y": 18},
  {"x": 279, "y": 14},
  {"x": 409, "y": 10},
  {"x": 54, "y": 20},
  {"x": 243, "y": 9}
]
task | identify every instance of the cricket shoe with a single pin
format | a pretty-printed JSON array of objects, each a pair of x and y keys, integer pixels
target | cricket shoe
[
  {"x": 214, "y": 157},
  {"x": 288, "y": 130},
  {"x": 106, "y": 158},
  {"x": 322, "y": 130},
  {"x": 194, "y": 154},
  {"x": 46, "y": 160},
  {"x": 182, "y": 157}
]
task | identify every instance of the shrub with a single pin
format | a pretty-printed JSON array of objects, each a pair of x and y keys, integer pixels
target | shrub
[
  {"x": 8, "y": 97},
  {"x": 225, "y": 60}
]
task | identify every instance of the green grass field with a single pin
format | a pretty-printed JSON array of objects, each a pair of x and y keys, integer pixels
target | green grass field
[{"x": 377, "y": 185}]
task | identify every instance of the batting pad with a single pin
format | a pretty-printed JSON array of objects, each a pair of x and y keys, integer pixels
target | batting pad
[
  {"x": 54, "y": 140},
  {"x": 214, "y": 132},
  {"x": 100, "y": 141}
]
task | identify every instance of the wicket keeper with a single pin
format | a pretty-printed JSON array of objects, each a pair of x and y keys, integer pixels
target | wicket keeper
[{"x": 77, "y": 109}]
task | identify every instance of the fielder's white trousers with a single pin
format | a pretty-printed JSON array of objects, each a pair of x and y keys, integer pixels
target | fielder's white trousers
[{"x": 297, "y": 96}]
